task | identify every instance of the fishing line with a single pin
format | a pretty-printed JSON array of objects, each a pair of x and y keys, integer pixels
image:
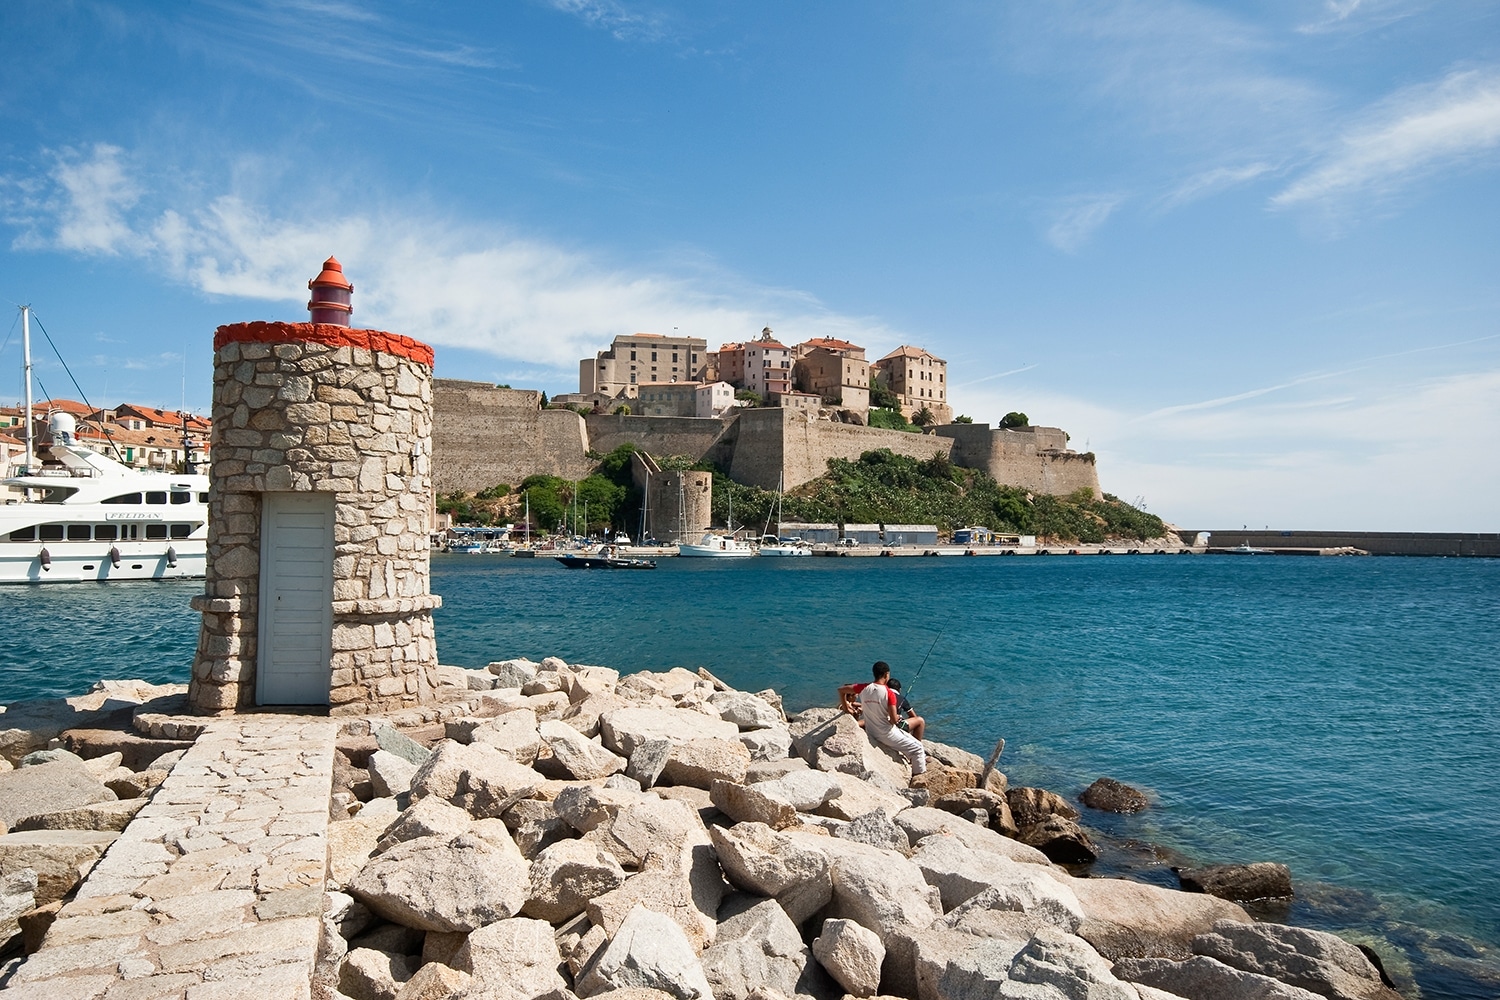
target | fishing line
[{"x": 912, "y": 686}]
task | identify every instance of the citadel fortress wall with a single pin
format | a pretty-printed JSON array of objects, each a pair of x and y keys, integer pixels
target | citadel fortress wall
[{"x": 484, "y": 435}]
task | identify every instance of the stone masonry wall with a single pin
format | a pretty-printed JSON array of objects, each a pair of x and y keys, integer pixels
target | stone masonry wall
[
  {"x": 304, "y": 407},
  {"x": 688, "y": 491},
  {"x": 1033, "y": 458},
  {"x": 774, "y": 443},
  {"x": 486, "y": 435}
]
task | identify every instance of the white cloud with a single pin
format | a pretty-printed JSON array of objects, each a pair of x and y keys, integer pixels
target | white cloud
[
  {"x": 1074, "y": 225},
  {"x": 518, "y": 298},
  {"x": 95, "y": 195},
  {"x": 1369, "y": 449},
  {"x": 1414, "y": 133}
]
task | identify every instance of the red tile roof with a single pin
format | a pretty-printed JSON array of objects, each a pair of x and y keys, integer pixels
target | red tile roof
[{"x": 831, "y": 344}]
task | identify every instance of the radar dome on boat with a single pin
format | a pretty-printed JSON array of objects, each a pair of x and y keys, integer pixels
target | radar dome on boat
[{"x": 64, "y": 427}]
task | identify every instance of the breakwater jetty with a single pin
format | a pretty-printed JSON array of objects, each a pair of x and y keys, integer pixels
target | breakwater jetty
[
  {"x": 558, "y": 830},
  {"x": 1375, "y": 543}
]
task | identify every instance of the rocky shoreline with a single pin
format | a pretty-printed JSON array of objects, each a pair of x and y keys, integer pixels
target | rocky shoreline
[{"x": 559, "y": 831}]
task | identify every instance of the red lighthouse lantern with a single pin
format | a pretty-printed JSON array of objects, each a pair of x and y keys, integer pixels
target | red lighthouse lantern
[{"x": 331, "y": 295}]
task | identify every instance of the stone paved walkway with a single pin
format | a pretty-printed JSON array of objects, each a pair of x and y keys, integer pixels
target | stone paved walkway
[{"x": 215, "y": 889}]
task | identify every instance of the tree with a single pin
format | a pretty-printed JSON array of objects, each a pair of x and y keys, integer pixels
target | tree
[
  {"x": 923, "y": 418},
  {"x": 622, "y": 410},
  {"x": 545, "y": 404},
  {"x": 963, "y": 418},
  {"x": 750, "y": 396},
  {"x": 882, "y": 397},
  {"x": 1014, "y": 419}
]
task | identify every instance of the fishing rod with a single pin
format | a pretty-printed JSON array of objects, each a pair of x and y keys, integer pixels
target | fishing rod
[{"x": 912, "y": 686}]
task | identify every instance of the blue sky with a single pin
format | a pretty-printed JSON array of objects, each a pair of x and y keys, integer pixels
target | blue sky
[{"x": 1246, "y": 253}]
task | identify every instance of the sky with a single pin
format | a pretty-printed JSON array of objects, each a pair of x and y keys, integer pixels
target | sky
[{"x": 1246, "y": 253}]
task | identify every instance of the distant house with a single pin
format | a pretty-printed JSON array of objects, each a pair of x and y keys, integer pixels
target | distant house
[
  {"x": 919, "y": 380},
  {"x": 836, "y": 370},
  {"x": 643, "y": 358}
]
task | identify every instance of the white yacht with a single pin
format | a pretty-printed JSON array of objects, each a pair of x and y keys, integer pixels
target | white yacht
[
  {"x": 716, "y": 546},
  {"x": 89, "y": 517}
]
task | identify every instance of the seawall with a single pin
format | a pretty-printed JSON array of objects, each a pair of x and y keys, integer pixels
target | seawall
[{"x": 1378, "y": 543}]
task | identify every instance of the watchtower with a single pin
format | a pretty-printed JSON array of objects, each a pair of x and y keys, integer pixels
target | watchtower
[{"x": 317, "y": 588}]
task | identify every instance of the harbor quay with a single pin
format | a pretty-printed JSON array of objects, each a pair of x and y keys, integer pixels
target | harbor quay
[{"x": 560, "y": 830}]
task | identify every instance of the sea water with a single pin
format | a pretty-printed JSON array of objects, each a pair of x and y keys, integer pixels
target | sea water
[{"x": 1337, "y": 715}]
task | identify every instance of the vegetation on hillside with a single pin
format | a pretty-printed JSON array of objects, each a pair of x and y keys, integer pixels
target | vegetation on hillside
[
  {"x": 885, "y": 488},
  {"x": 879, "y": 488}
]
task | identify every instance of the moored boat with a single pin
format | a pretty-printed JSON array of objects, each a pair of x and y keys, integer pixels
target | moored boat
[
  {"x": 90, "y": 518},
  {"x": 716, "y": 546}
]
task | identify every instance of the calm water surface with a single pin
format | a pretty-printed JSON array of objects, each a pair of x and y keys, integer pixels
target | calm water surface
[{"x": 1339, "y": 715}]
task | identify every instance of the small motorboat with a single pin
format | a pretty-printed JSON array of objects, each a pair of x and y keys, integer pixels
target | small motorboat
[{"x": 605, "y": 558}]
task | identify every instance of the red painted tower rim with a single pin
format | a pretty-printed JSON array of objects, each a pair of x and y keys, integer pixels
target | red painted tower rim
[{"x": 331, "y": 276}]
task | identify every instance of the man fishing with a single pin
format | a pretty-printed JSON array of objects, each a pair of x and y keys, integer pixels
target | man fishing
[{"x": 877, "y": 706}]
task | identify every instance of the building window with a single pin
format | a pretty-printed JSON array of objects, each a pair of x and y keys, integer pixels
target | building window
[
  {"x": 674, "y": 356},
  {"x": 653, "y": 355},
  {"x": 632, "y": 378},
  {"x": 632, "y": 355}
]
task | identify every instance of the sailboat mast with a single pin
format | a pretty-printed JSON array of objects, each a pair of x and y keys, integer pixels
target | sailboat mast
[
  {"x": 26, "y": 369},
  {"x": 645, "y": 500}
]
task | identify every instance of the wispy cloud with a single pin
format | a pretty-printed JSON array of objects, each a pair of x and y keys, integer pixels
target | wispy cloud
[
  {"x": 1166, "y": 68},
  {"x": 991, "y": 378},
  {"x": 1417, "y": 132},
  {"x": 1210, "y": 182},
  {"x": 1360, "y": 15},
  {"x": 615, "y": 17},
  {"x": 518, "y": 298},
  {"x": 1076, "y": 222}
]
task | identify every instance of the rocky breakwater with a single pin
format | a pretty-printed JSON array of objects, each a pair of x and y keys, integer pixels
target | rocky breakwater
[{"x": 659, "y": 836}]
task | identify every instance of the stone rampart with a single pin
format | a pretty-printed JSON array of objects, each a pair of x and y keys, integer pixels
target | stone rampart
[
  {"x": 776, "y": 443},
  {"x": 487, "y": 435},
  {"x": 1032, "y": 458},
  {"x": 699, "y": 438},
  {"x": 317, "y": 408}
]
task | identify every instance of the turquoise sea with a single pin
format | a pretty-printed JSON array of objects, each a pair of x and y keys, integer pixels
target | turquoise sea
[{"x": 1338, "y": 715}]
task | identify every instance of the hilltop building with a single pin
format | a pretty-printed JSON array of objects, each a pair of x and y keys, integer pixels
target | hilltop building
[
  {"x": 919, "y": 379},
  {"x": 683, "y": 399},
  {"x": 643, "y": 357},
  {"x": 835, "y": 370}
]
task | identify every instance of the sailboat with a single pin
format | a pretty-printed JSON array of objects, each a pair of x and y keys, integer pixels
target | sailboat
[
  {"x": 716, "y": 546},
  {"x": 775, "y": 545}
]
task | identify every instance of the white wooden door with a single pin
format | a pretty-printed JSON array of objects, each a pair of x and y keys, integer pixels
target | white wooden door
[{"x": 296, "y": 599}]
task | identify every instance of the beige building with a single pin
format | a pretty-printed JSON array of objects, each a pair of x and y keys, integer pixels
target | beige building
[
  {"x": 768, "y": 366},
  {"x": 641, "y": 358},
  {"x": 666, "y": 399},
  {"x": 918, "y": 379},
  {"x": 835, "y": 370}
]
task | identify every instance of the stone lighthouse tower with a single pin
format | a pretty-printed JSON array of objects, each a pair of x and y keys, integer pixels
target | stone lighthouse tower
[{"x": 317, "y": 582}]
